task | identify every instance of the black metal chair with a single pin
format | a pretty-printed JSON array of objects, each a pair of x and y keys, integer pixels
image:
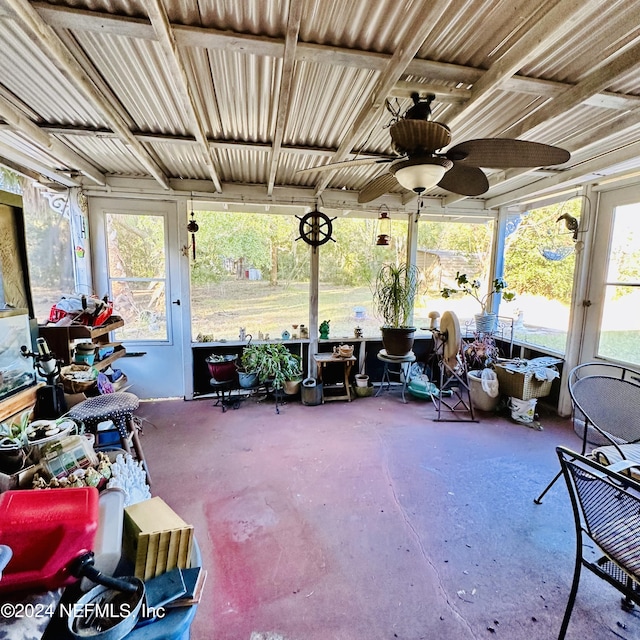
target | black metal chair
[
  {"x": 606, "y": 401},
  {"x": 606, "y": 509}
]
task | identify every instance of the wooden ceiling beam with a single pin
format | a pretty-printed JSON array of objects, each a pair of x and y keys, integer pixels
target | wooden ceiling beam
[
  {"x": 284, "y": 96},
  {"x": 386, "y": 80},
  {"x": 62, "y": 17},
  {"x": 588, "y": 87},
  {"x": 22, "y": 124},
  {"x": 160, "y": 22},
  {"x": 54, "y": 48},
  {"x": 22, "y": 163},
  {"x": 555, "y": 24}
]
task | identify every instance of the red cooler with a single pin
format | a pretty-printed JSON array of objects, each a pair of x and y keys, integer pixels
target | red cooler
[{"x": 46, "y": 530}]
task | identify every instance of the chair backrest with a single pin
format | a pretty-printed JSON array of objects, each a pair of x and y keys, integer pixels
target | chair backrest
[
  {"x": 608, "y": 396},
  {"x": 606, "y": 507}
]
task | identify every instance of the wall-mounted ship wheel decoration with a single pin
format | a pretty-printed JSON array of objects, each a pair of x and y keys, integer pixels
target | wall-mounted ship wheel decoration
[{"x": 315, "y": 228}]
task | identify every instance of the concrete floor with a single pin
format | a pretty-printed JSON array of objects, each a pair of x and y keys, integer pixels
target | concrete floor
[{"x": 368, "y": 520}]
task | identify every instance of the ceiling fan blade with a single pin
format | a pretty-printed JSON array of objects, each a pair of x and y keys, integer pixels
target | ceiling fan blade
[
  {"x": 506, "y": 153},
  {"x": 377, "y": 187},
  {"x": 334, "y": 166},
  {"x": 465, "y": 180}
]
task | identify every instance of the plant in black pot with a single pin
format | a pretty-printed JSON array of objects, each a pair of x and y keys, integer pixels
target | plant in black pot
[{"x": 394, "y": 296}]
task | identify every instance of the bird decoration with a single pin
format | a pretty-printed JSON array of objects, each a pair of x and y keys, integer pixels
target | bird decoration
[{"x": 571, "y": 223}]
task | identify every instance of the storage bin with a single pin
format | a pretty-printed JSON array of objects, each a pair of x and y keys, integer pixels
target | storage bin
[{"x": 521, "y": 384}]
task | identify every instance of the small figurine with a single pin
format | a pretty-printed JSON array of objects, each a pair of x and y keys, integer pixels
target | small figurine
[
  {"x": 357, "y": 332},
  {"x": 304, "y": 332},
  {"x": 324, "y": 329}
]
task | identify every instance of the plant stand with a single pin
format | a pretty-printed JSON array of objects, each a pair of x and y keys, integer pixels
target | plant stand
[{"x": 404, "y": 365}]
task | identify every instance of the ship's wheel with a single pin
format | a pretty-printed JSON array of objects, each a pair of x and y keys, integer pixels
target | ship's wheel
[{"x": 316, "y": 228}]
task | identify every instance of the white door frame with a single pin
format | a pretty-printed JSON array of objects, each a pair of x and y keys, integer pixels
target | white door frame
[
  {"x": 162, "y": 370},
  {"x": 603, "y": 230}
]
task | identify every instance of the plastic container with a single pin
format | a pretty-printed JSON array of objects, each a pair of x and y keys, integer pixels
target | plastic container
[
  {"x": 480, "y": 399},
  {"x": 47, "y": 531},
  {"x": 108, "y": 542}
]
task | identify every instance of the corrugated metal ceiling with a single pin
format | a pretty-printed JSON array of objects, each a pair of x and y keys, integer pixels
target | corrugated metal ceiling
[{"x": 273, "y": 94}]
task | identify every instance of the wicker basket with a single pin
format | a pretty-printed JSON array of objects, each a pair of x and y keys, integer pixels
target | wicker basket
[
  {"x": 521, "y": 384},
  {"x": 70, "y": 384}
]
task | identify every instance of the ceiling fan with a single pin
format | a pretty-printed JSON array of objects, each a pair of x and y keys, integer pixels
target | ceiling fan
[{"x": 417, "y": 165}]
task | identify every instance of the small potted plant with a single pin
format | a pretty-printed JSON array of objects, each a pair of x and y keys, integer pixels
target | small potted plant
[
  {"x": 395, "y": 292},
  {"x": 272, "y": 363},
  {"x": 222, "y": 368},
  {"x": 486, "y": 319}
]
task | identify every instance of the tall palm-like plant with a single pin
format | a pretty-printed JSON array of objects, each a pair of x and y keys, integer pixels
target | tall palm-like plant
[
  {"x": 394, "y": 296},
  {"x": 395, "y": 293}
]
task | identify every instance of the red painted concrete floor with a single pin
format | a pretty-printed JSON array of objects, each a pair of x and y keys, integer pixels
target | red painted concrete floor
[{"x": 369, "y": 520}]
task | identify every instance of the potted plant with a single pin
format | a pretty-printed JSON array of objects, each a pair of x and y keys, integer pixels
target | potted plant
[
  {"x": 13, "y": 444},
  {"x": 486, "y": 319},
  {"x": 395, "y": 292},
  {"x": 272, "y": 363},
  {"x": 222, "y": 368}
]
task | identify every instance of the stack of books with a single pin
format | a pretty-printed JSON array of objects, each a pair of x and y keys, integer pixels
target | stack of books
[{"x": 156, "y": 539}]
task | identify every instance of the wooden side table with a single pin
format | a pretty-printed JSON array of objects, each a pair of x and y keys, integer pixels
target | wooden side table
[{"x": 322, "y": 360}]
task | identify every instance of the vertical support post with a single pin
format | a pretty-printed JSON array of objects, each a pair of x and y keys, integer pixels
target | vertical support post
[
  {"x": 313, "y": 308},
  {"x": 412, "y": 244},
  {"x": 497, "y": 262}
]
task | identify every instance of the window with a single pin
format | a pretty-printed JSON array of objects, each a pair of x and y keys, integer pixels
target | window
[
  {"x": 137, "y": 274},
  {"x": 49, "y": 251},
  {"x": 348, "y": 270},
  {"x": 539, "y": 263},
  {"x": 249, "y": 272},
  {"x": 619, "y": 326},
  {"x": 445, "y": 249}
]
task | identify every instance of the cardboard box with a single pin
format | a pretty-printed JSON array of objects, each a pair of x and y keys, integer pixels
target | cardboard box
[{"x": 156, "y": 539}]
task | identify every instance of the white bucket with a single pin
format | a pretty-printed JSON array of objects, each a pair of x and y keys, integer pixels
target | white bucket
[
  {"x": 479, "y": 397},
  {"x": 362, "y": 380}
]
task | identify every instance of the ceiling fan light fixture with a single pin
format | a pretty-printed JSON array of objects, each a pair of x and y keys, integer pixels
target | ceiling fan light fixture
[{"x": 420, "y": 174}]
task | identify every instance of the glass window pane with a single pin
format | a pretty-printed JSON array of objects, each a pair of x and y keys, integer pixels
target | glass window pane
[
  {"x": 348, "y": 269},
  {"x": 624, "y": 256},
  {"x": 50, "y": 254},
  {"x": 445, "y": 249},
  {"x": 619, "y": 334},
  {"x": 249, "y": 272},
  {"x": 539, "y": 265},
  {"x": 136, "y": 246},
  {"x": 142, "y": 305}
]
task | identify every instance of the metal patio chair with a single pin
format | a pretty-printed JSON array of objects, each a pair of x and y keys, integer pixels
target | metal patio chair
[
  {"x": 606, "y": 400},
  {"x": 606, "y": 510}
]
